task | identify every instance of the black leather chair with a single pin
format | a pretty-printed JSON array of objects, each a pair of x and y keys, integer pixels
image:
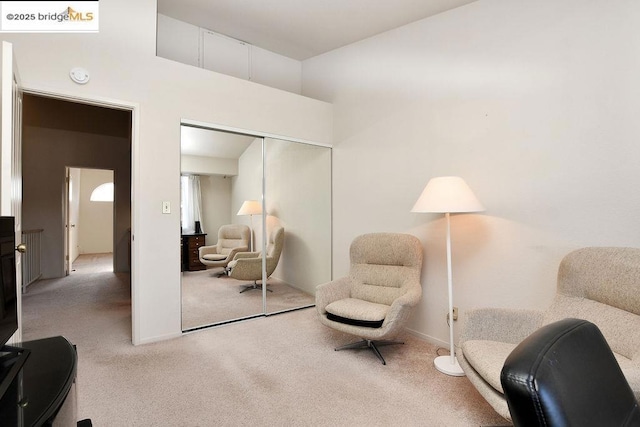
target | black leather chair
[{"x": 565, "y": 374}]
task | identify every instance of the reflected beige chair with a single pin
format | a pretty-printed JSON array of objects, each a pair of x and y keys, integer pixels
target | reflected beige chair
[
  {"x": 248, "y": 265},
  {"x": 232, "y": 238},
  {"x": 597, "y": 284},
  {"x": 375, "y": 301}
]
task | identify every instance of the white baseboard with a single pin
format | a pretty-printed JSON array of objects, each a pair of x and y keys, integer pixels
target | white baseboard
[
  {"x": 158, "y": 338},
  {"x": 428, "y": 338}
]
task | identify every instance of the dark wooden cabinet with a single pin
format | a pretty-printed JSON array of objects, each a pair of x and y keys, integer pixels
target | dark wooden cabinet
[{"x": 190, "y": 258}]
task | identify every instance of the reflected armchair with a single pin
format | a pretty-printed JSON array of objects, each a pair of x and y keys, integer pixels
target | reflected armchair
[
  {"x": 248, "y": 265},
  {"x": 232, "y": 238},
  {"x": 375, "y": 301}
]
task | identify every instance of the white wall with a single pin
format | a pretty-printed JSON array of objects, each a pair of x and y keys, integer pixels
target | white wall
[
  {"x": 95, "y": 233},
  {"x": 123, "y": 66},
  {"x": 535, "y": 104},
  {"x": 201, "y": 165},
  {"x": 216, "y": 205},
  {"x": 247, "y": 185},
  {"x": 271, "y": 69}
]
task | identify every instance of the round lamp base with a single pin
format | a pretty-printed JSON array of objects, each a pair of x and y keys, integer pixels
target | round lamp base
[{"x": 444, "y": 365}]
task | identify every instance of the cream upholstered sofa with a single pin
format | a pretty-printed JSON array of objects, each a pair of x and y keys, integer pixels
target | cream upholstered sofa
[
  {"x": 598, "y": 284},
  {"x": 232, "y": 238}
]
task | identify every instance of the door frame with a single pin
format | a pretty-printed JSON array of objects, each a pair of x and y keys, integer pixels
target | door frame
[
  {"x": 70, "y": 227},
  {"x": 134, "y": 108},
  {"x": 11, "y": 161},
  {"x": 68, "y": 258}
]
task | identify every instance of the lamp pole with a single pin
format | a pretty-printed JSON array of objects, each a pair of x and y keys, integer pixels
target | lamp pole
[
  {"x": 251, "y": 230},
  {"x": 449, "y": 364}
]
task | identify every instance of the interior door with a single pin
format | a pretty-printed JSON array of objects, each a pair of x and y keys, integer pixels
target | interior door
[
  {"x": 11, "y": 159},
  {"x": 67, "y": 222},
  {"x": 74, "y": 214},
  {"x": 71, "y": 217}
]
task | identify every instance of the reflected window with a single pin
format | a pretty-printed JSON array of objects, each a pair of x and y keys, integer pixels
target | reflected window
[
  {"x": 190, "y": 202},
  {"x": 102, "y": 193}
]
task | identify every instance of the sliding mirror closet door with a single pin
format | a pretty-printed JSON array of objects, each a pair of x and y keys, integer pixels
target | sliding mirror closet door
[
  {"x": 277, "y": 192},
  {"x": 298, "y": 222},
  {"x": 220, "y": 171}
]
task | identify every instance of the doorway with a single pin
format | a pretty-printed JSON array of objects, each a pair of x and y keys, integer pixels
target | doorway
[
  {"x": 57, "y": 134},
  {"x": 89, "y": 218}
]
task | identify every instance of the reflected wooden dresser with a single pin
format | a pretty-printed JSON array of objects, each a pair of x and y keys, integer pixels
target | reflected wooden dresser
[{"x": 190, "y": 245}]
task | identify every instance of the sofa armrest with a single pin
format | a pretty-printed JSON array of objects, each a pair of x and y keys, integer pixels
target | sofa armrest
[
  {"x": 329, "y": 292},
  {"x": 499, "y": 324}
]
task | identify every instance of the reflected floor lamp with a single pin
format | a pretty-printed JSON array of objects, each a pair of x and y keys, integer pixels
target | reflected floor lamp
[
  {"x": 448, "y": 194},
  {"x": 251, "y": 208}
]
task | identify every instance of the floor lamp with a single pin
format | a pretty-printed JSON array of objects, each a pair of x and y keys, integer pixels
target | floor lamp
[
  {"x": 448, "y": 194},
  {"x": 251, "y": 208}
]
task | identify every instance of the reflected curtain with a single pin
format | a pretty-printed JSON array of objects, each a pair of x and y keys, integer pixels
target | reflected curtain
[{"x": 190, "y": 203}]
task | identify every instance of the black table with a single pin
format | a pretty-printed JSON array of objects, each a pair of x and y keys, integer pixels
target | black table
[{"x": 39, "y": 392}]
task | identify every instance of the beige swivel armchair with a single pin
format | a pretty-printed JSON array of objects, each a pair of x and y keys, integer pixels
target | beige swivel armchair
[
  {"x": 248, "y": 265},
  {"x": 601, "y": 285},
  {"x": 375, "y": 301},
  {"x": 232, "y": 238}
]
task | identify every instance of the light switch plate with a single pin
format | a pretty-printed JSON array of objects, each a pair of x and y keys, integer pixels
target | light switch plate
[{"x": 166, "y": 207}]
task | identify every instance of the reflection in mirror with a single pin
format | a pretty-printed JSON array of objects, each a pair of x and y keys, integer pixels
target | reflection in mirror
[
  {"x": 298, "y": 198},
  {"x": 228, "y": 169},
  {"x": 221, "y": 275}
]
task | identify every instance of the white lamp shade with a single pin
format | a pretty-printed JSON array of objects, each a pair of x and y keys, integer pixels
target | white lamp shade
[
  {"x": 447, "y": 194},
  {"x": 250, "y": 207}
]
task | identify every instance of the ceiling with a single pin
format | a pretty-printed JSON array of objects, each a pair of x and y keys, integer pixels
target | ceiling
[
  {"x": 301, "y": 29},
  {"x": 209, "y": 143}
]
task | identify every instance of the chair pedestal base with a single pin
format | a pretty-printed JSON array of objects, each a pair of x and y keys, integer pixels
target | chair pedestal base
[
  {"x": 373, "y": 345},
  {"x": 254, "y": 287}
]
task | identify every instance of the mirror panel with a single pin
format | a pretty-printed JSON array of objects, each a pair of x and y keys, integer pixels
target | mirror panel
[
  {"x": 229, "y": 170},
  {"x": 298, "y": 198},
  {"x": 291, "y": 181}
]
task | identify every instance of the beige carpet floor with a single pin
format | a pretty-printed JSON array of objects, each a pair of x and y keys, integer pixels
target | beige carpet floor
[
  {"x": 208, "y": 299},
  {"x": 275, "y": 371}
]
